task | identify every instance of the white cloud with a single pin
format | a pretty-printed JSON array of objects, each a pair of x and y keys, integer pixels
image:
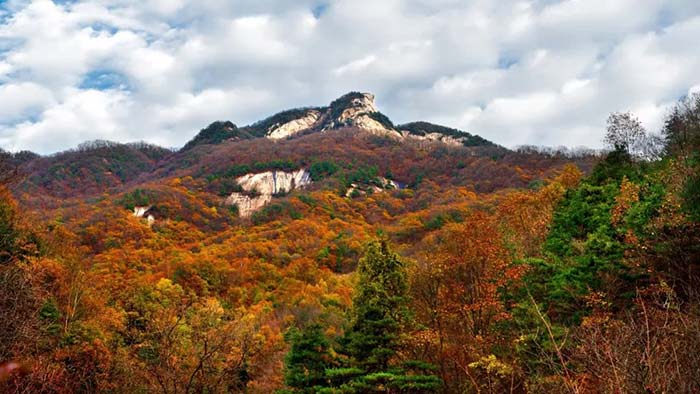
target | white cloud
[
  {"x": 356, "y": 65},
  {"x": 21, "y": 99},
  {"x": 520, "y": 71}
]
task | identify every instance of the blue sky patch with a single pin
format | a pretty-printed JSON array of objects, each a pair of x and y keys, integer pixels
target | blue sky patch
[
  {"x": 506, "y": 62},
  {"x": 319, "y": 9},
  {"x": 103, "y": 80},
  {"x": 100, "y": 27}
]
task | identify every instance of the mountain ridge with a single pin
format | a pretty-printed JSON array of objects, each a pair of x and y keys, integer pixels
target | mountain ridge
[
  {"x": 354, "y": 109},
  {"x": 350, "y": 134}
]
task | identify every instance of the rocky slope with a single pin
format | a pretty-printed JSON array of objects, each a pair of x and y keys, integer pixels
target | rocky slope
[
  {"x": 258, "y": 189},
  {"x": 246, "y": 166},
  {"x": 353, "y": 110}
]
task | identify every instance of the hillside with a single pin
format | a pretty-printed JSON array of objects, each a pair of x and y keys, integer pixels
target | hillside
[
  {"x": 328, "y": 250},
  {"x": 345, "y": 133}
]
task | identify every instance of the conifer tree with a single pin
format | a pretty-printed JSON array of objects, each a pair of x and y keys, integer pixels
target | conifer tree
[
  {"x": 379, "y": 315},
  {"x": 307, "y": 360}
]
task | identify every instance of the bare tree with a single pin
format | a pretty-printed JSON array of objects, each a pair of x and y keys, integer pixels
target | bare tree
[
  {"x": 682, "y": 127},
  {"x": 625, "y": 131}
]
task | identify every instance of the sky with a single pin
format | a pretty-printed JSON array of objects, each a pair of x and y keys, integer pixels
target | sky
[{"x": 540, "y": 72}]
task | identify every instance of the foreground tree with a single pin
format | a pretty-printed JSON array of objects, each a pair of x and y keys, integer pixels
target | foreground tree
[
  {"x": 373, "y": 340},
  {"x": 307, "y": 360},
  {"x": 457, "y": 291}
]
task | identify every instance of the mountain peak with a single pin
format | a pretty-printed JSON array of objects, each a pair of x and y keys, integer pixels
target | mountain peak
[
  {"x": 352, "y": 110},
  {"x": 214, "y": 134},
  {"x": 356, "y": 100}
]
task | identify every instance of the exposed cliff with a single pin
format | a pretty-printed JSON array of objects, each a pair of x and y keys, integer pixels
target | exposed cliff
[
  {"x": 352, "y": 110},
  {"x": 358, "y": 110},
  {"x": 377, "y": 185},
  {"x": 285, "y": 130},
  {"x": 145, "y": 212},
  {"x": 258, "y": 189},
  {"x": 432, "y": 132}
]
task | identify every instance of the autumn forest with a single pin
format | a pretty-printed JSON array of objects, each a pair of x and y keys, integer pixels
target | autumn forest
[{"x": 354, "y": 256}]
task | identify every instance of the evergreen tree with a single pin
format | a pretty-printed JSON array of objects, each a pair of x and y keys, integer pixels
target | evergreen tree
[
  {"x": 371, "y": 343},
  {"x": 307, "y": 360}
]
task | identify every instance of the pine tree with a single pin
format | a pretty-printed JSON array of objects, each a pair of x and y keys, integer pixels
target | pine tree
[
  {"x": 307, "y": 360},
  {"x": 371, "y": 343}
]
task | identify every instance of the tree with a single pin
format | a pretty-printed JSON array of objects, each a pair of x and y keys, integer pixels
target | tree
[
  {"x": 457, "y": 292},
  {"x": 682, "y": 136},
  {"x": 373, "y": 339},
  {"x": 379, "y": 308},
  {"x": 307, "y": 360},
  {"x": 682, "y": 127},
  {"x": 9, "y": 234},
  {"x": 187, "y": 344},
  {"x": 625, "y": 131}
]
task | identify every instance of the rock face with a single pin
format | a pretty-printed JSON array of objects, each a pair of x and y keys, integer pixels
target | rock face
[
  {"x": 140, "y": 211},
  {"x": 261, "y": 187},
  {"x": 353, "y": 106},
  {"x": 246, "y": 204},
  {"x": 351, "y": 110},
  {"x": 289, "y": 129},
  {"x": 274, "y": 182},
  {"x": 426, "y": 131},
  {"x": 380, "y": 185},
  {"x": 143, "y": 212},
  {"x": 358, "y": 110},
  {"x": 447, "y": 139}
]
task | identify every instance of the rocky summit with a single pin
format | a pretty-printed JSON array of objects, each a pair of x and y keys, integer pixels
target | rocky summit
[{"x": 352, "y": 110}]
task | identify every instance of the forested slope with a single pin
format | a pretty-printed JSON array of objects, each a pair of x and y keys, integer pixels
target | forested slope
[{"x": 485, "y": 271}]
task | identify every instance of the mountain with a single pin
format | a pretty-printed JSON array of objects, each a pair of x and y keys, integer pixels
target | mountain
[
  {"x": 348, "y": 146},
  {"x": 358, "y": 254},
  {"x": 90, "y": 169},
  {"x": 352, "y": 110}
]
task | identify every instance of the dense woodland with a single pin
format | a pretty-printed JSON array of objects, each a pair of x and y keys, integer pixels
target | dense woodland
[{"x": 491, "y": 271}]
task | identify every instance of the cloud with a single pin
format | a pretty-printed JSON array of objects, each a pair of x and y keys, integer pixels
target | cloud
[{"x": 520, "y": 71}]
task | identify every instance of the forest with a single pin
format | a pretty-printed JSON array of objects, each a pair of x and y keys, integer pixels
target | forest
[{"x": 488, "y": 270}]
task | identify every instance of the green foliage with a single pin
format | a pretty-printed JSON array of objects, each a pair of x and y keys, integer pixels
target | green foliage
[
  {"x": 382, "y": 119},
  {"x": 438, "y": 221},
  {"x": 322, "y": 169},
  {"x": 584, "y": 248},
  {"x": 308, "y": 200},
  {"x": 49, "y": 311},
  {"x": 691, "y": 190},
  {"x": 275, "y": 211},
  {"x": 616, "y": 165},
  {"x": 137, "y": 197},
  {"x": 364, "y": 175},
  {"x": 9, "y": 235},
  {"x": 237, "y": 170},
  {"x": 584, "y": 254},
  {"x": 380, "y": 311},
  {"x": 307, "y": 360},
  {"x": 49, "y": 314},
  {"x": 213, "y": 134}
]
